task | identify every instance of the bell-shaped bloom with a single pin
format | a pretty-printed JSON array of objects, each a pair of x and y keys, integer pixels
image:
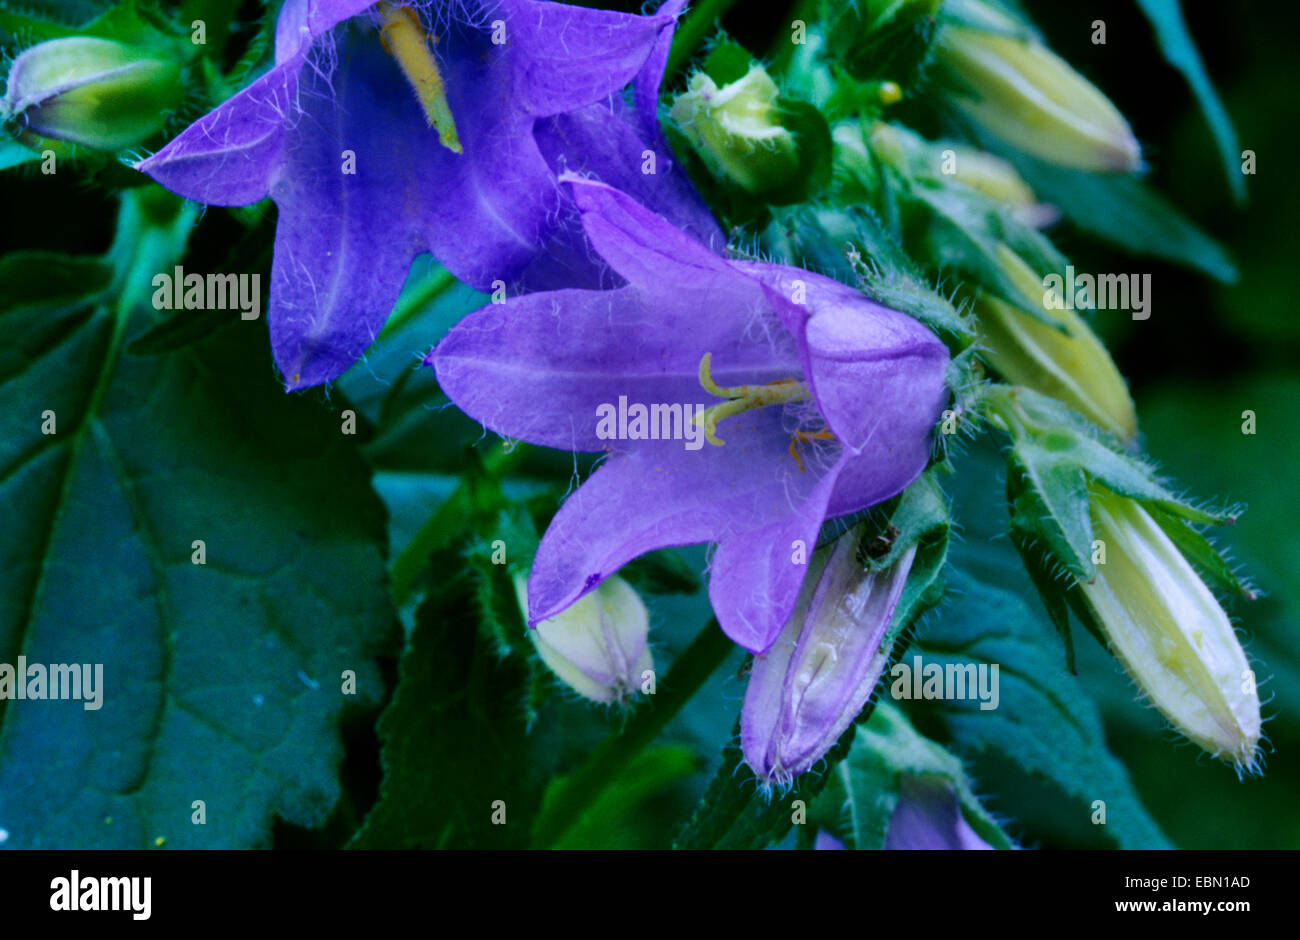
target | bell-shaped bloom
[
  {"x": 383, "y": 132},
  {"x": 928, "y": 815},
  {"x": 1170, "y": 633},
  {"x": 599, "y": 647},
  {"x": 814, "y": 401},
  {"x": 807, "y": 689},
  {"x": 96, "y": 92}
]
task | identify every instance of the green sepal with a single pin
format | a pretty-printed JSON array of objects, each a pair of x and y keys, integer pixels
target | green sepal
[{"x": 864, "y": 788}]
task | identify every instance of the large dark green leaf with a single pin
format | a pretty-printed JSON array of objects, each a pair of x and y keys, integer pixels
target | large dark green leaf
[
  {"x": 456, "y": 759},
  {"x": 224, "y": 681}
]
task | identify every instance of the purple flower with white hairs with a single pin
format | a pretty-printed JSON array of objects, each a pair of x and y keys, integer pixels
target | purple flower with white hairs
[
  {"x": 816, "y": 402},
  {"x": 928, "y": 815},
  {"x": 818, "y": 675},
  {"x": 387, "y": 130}
]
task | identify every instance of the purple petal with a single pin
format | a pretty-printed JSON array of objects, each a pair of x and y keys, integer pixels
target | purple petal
[
  {"x": 860, "y": 351},
  {"x": 230, "y": 156},
  {"x": 664, "y": 495},
  {"x": 756, "y": 575},
  {"x": 490, "y": 210},
  {"x": 825, "y": 841},
  {"x": 568, "y": 56},
  {"x": 651, "y": 76},
  {"x": 575, "y": 351},
  {"x": 600, "y": 142},
  {"x": 344, "y": 241},
  {"x": 649, "y": 251},
  {"x": 928, "y": 816},
  {"x": 301, "y": 21}
]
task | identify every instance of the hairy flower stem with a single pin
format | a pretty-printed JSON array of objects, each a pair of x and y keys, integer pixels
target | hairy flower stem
[{"x": 583, "y": 788}]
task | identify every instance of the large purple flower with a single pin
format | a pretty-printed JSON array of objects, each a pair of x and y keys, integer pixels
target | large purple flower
[
  {"x": 822, "y": 402},
  {"x": 384, "y": 131}
]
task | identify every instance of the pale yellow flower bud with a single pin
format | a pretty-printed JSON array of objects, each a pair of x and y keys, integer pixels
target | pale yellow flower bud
[
  {"x": 1170, "y": 633},
  {"x": 1073, "y": 367},
  {"x": 1027, "y": 95},
  {"x": 598, "y": 646}
]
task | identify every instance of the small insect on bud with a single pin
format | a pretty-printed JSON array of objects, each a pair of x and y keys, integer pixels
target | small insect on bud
[
  {"x": 807, "y": 689},
  {"x": 96, "y": 92},
  {"x": 1073, "y": 366},
  {"x": 1006, "y": 80},
  {"x": 737, "y": 129},
  {"x": 598, "y": 646},
  {"x": 1170, "y": 633}
]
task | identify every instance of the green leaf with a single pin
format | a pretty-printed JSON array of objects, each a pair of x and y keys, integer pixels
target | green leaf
[
  {"x": 1125, "y": 211},
  {"x": 1179, "y": 50},
  {"x": 1049, "y": 436},
  {"x": 1048, "y": 493},
  {"x": 866, "y": 784},
  {"x": 956, "y": 230},
  {"x": 662, "y": 572},
  {"x": 222, "y": 681},
  {"x": 455, "y": 747},
  {"x": 648, "y": 774},
  {"x": 1197, "y": 549},
  {"x": 1043, "y": 721},
  {"x": 179, "y": 330}
]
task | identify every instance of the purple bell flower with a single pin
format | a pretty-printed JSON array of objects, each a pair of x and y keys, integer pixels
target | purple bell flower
[
  {"x": 384, "y": 131},
  {"x": 815, "y": 401}
]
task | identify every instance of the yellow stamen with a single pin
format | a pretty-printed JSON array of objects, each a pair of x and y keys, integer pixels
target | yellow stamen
[
  {"x": 742, "y": 398},
  {"x": 805, "y": 436},
  {"x": 407, "y": 43}
]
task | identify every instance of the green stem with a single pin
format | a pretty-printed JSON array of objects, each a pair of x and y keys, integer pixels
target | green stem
[
  {"x": 699, "y": 22},
  {"x": 583, "y": 788},
  {"x": 449, "y": 518},
  {"x": 439, "y": 281}
]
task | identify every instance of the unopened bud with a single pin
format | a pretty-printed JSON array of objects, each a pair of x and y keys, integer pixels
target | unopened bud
[
  {"x": 97, "y": 92},
  {"x": 998, "y": 180},
  {"x": 1170, "y": 632},
  {"x": 1021, "y": 91},
  {"x": 599, "y": 645},
  {"x": 928, "y": 815},
  {"x": 737, "y": 129},
  {"x": 1071, "y": 366},
  {"x": 818, "y": 675}
]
